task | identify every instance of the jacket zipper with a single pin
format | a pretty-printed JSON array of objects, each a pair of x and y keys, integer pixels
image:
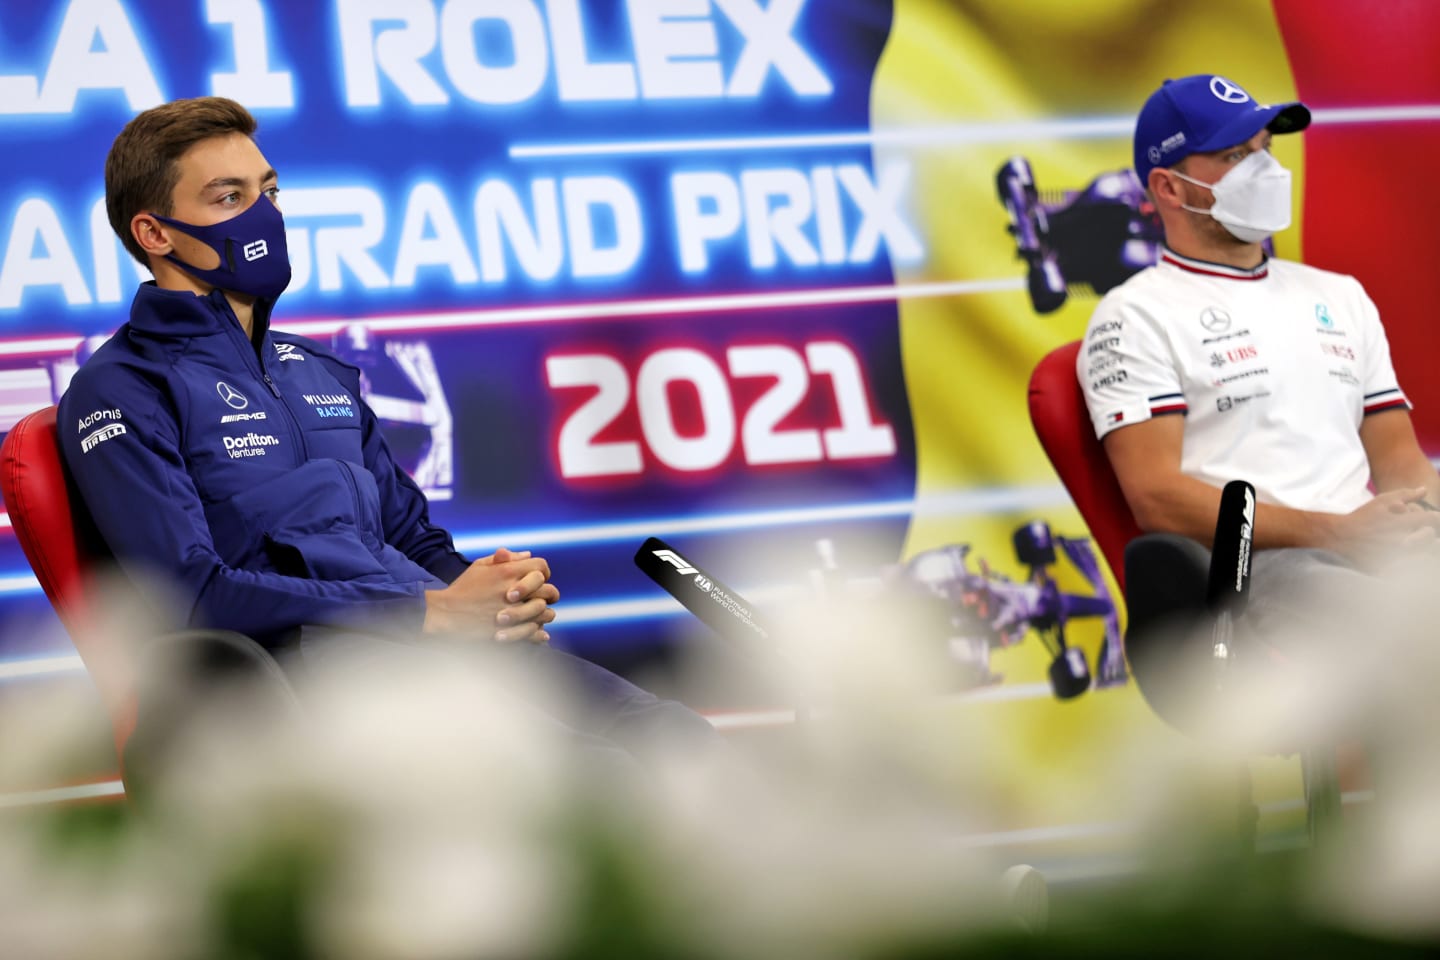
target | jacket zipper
[{"x": 253, "y": 356}]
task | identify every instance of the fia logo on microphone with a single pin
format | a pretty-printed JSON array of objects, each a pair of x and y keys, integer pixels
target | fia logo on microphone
[
  {"x": 675, "y": 560},
  {"x": 1247, "y": 533},
  {"x": 703, "y": 582}
]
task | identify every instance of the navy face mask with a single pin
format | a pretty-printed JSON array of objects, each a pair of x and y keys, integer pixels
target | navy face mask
[{"x": 251, "y": 247}]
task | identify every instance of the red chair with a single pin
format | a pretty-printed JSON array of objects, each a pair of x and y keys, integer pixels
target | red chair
[
  {"x": 155, "y": 685},
  {"x": 1062, "y": 422},
  {"x": 66, "y": 554}
]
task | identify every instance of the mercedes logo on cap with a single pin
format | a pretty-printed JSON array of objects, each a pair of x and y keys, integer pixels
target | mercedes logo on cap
[
  {"x": 232, "y": 397},
  {"x": 1227, "y": 91}
]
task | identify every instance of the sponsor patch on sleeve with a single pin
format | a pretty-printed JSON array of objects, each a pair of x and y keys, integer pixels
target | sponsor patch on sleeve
[
  {"x": 103, "y": 424},
  {"x": 108, "y": 432}
]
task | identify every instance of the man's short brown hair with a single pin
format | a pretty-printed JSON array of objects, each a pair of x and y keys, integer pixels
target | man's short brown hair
[{"x": 141, "y": 170}]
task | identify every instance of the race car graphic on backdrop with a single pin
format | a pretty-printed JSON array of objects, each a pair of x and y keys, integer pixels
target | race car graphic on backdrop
[
  {"x": 399, "y": 381},
  {"x": 1091, "y": 239},
  {"x": 974, "y": 611},
  {"x": 1099, "y": 236},
  {"x": 987, "y": 610}
]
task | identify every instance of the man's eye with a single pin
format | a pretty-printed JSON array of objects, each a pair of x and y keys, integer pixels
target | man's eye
[
  {"x": 230, "y": 198},
  {"x": 272, "y": 192}
]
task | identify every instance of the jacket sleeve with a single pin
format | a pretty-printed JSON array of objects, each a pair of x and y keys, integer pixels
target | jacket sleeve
[
  {"x": 146, "y": 507},
  {"x": 404, "y": 510}
]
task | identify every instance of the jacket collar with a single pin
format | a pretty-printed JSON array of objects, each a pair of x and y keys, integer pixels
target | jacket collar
[{"x": 180, "y": 313}]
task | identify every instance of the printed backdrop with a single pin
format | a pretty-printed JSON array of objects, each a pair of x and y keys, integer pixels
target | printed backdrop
[{"x": 764, "y": 278}]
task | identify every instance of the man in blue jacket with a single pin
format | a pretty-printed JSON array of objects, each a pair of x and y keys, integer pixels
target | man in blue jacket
[{"x": 241, "y": 465}]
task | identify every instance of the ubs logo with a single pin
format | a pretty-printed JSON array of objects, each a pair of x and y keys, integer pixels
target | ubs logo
[{"x": 233, "y": 398}]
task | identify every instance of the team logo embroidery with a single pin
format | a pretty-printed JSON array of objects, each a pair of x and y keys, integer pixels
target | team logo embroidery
[
  {"x": 288, "y": 351},
  {"x": 1322, "y": 316},
  {"x": 233, "y": 398},
  {"x": 255, "y": 250},
  {"x": 1227, "y": 91},
  {"x": 1214, "y": 319}
]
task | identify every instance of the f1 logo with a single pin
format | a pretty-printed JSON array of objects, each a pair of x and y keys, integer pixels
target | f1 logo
[
  {"x": 255, "y": 250},
  {"x": 675, "y": 560}
]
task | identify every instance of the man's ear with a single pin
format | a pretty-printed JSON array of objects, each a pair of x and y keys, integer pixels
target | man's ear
[
  {"x": 1164, "y": 189},
  {"x": 151, "y": 235}
]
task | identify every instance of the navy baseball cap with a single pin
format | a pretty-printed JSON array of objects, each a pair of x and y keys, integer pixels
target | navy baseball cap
[{"x": 1201, "y": 113}]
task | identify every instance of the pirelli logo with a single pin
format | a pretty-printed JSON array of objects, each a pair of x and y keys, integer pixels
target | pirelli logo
[{"x": 106, "y": 432}]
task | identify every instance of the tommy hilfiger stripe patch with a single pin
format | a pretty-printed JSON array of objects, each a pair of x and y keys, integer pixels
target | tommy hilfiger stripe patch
[
  {"x": 1385, "y": 400},
  {"x": 1168, "y": 403}
]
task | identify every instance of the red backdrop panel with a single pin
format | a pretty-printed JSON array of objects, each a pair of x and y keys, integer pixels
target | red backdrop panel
[{"x": 1372, "y": 189}]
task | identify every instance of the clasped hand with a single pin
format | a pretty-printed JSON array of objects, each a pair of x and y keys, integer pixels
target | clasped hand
[
  {"x": 506, "y": 595},
  {"x": 1396, "y": 518}
]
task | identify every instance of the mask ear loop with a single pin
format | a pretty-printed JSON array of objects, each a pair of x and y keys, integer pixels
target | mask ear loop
[
  {"x": 1198, "y": 183},
  {"x": 1189, "y": 179},
  {"x": 226, "y": 255}
]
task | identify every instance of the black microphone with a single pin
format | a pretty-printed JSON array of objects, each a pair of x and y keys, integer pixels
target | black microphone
[
  {"x": 717, "y": 605},
  {"x": 1228, "y": 590}
]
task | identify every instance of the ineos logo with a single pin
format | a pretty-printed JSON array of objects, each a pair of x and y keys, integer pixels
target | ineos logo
[
  {"x": 233, "y": 398},
  {"x": 1214, "y": 319},
  {"x": 1227, "y": 91}
]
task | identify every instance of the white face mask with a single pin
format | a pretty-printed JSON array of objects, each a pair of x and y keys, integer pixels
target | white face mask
[{"x": 1252, "y": 200}]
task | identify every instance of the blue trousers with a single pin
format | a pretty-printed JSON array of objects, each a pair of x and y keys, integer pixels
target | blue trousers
[{"x": 597, "y": 708}]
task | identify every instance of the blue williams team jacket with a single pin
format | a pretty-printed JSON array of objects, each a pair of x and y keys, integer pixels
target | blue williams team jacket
[{"x": 251, "y": 476}]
